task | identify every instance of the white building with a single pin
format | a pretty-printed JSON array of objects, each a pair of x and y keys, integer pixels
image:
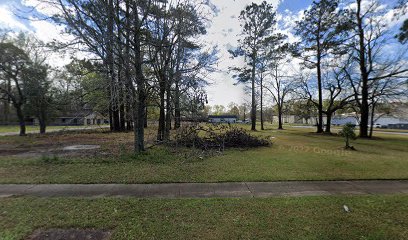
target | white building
[
  {"x": 222, "y": 118},
  {"x": 343, "y": 120},
  {"x": 379, "y": 120}
]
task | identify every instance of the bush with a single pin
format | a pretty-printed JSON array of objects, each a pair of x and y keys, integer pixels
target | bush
[
  {"x": 217, "y": 137},
  {"x": 348, "y": 133}
]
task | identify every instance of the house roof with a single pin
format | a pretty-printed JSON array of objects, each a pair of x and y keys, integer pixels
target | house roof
[{"x": 80, "y": 114}]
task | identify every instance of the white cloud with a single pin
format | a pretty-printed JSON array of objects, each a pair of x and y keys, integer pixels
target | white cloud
[
  {"x": 43, "y": 7},
  {"x": 223, "y": 32},
  {"x": 49, "y": 32},
  {"x": 46, "y": 31},
  {"x": 390, "y": 17},
  {"x": 8, "y": 20}
]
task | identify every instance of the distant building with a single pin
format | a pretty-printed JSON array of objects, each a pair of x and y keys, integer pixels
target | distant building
[
  {"x": 80, "y": 119},
  {"x": 341, "y": 120},
  {"x": 380, "y": 120},
  {"x": 222, "y": 118},
  {"x": 398, "y": 126},
  {"x": 293, "y": 119}
]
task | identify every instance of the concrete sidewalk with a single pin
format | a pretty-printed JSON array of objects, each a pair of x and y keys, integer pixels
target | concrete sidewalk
[{"x": 209, "y": 190}]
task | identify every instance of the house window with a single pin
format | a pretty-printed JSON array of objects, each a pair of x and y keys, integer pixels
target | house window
[{"x": 88, "y": 121}]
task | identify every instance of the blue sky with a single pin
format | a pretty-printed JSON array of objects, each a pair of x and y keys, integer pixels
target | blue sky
[{"x": 293, "y": 5}]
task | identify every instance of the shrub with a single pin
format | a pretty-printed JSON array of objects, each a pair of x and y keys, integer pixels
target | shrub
[{"x": 348, "y": 133}]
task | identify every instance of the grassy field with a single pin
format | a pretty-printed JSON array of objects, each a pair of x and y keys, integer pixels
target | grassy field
[
  {"x": 16, "y": 129},
  {"x": 371, "y": 217},
  {"x": 296, "y": 154}
]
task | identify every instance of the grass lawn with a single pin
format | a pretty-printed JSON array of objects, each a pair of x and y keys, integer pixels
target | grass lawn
[
  {"x": 297, "y": 154},
  {"x": 371, "y": 217},
  {"x": 16, "y": 129}
]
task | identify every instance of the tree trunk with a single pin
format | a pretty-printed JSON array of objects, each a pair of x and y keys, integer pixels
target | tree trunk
[
  {"x": 177, "y": 112},
  {"x": 121, "y": 98},
  {"x": 145, "y": 121},
  {"x": 6, "y": 111},
  {"x": 121, "y": 113},
  {"x": 364, "y": 108},
  {"x": 129, "y": 89},
  {"x": 115, "y": 118},
  {"x": 7, "y": 103},
  {"x": 168, "y": 112},
  {"x": 372, "y": 119},
  {"x": 110, "y": 109},
  {"x": 140, "y": 82},
  {"x": 43, "y": 126},
  {"x": 177, "y": 80},
  {"x": 319, "y": 86},
  {"x": 122, "y": 119},
  {"x": 253, "y": 104},
  {"x": 328, "y": 122},
  {"x": 262, "y": 119},
  {"x": 111, "y": 65},
  {"x": 280, "y": 125},
  {"x": 140, "y": 121},
  {"x": 21, "y": 121},
  {"x": 162, "y": 117},
  {"x": 128, "y": 112},
  {"x": 42, "y": 121}
]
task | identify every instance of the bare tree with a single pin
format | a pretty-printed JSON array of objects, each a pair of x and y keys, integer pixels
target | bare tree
[
  {"x": 374, "y": 65},
  {"x": 279, "y": 85},
  {"x": 13, "y": 62},
  {"x": 258, "y": 25},
  {"x": 321, "y": 29}
]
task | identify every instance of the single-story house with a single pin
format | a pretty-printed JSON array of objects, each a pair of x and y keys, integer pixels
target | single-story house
[
  {"x": 222, "y": 118},
  {"x": 80, "y": 119}
]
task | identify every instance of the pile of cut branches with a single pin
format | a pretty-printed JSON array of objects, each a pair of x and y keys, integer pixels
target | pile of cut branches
[{"x": 217, "y": 137}]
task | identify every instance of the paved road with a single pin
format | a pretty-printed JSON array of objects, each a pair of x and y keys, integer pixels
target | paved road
[
  {"x": 392, "y": 133},
  {"x": 209, "y": 190},
  {"x": 375, "y": 131},
  {"x": 54, "y": 130}
]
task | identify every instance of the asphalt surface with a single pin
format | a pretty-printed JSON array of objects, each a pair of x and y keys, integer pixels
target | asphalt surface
[{"x": 209, "y": 190}]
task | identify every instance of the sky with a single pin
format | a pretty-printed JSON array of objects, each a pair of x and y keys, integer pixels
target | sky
[{"x": 223, "y": 32}]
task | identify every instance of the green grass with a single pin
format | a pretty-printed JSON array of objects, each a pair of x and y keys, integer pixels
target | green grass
[
  {"x": 16, "y": 129},
  {"x": 297, "y": 154},
  {"x": 371, "y": 217}
]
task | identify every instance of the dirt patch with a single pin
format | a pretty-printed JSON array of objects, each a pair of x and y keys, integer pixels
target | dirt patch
[
  {"x": 31, "y": 146},
  {"x": 6, "y": 152},
  {"x": 81, "y": 147},
  {"x": 68, "y": 234}
]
